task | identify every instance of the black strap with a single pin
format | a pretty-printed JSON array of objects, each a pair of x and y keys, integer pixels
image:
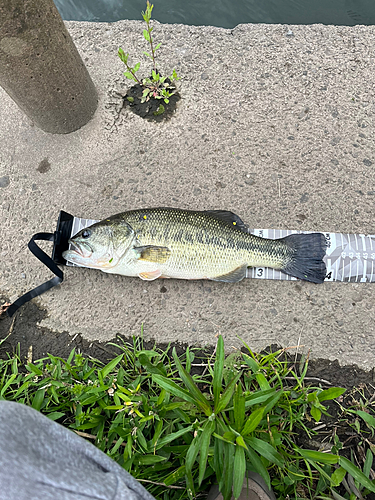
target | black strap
[{"x": 43, "y": 257}]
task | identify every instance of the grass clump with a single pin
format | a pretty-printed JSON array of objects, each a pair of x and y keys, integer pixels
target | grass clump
[{"x": 178, "y": 422}]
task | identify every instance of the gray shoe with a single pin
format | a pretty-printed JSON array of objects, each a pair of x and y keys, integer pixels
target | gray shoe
[{"x": 254, "y": 488}]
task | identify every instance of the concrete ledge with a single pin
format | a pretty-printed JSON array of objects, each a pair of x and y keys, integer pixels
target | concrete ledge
[{"x": 276, "y": 123}]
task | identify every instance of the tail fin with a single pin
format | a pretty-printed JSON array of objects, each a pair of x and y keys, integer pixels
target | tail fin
[{"x": 307, "y": 255}]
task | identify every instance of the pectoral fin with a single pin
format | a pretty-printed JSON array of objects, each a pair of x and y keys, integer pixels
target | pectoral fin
[
  {"x": 152, "y": 253},
  {"x": 150, "y": 275},
  {"x": 237, "y": 274}
]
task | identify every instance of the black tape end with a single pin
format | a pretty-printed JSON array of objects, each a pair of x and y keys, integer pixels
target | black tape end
[{"x": 61, "y": 237}]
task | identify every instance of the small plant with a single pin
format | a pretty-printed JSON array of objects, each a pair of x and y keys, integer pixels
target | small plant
[{"x": 157, "y": 86}]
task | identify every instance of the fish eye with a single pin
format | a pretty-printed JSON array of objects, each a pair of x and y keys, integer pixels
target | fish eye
[{"x": 86, "y": 233}]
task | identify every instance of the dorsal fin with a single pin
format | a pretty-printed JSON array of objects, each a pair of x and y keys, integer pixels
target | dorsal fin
[{"x": 229, "y": 217}]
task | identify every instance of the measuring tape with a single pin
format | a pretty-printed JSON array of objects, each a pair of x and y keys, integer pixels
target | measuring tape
[{"x": 349, "y": 257}]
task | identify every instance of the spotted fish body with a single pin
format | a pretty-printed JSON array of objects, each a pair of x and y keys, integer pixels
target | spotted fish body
[{"x": 173, "y": 243}]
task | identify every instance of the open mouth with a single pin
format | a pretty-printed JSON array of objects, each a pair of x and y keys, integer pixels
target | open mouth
[{"x": 83, "y": 250}]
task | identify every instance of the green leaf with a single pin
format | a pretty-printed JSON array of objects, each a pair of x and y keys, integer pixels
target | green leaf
[
  {"x": 129, "y": 76},
  {"x": 158, "y": 46},
  {"x": 253, "y": 421},
  {"x": 55, "y": 415},
  {"x": 239, "y": 471},
  {"x": 191, "y": 456},
  {"x": 71, "y": 355},
  {"x": 318, "y": 456},
  {"x": 271, "y": 402},
  {"x": 136, "y": 67},
  {"x": 332, "y": 393},
  {"x": 218, "y": 370},
  {"x": 173, "y": 388},
  {"x": 146, "y": 35},
  {"x": 258, "y": 397},
  {"x": 257, "y": 465},
  {"x": 142, "y": 357},
  {"x": 251, "y": 363},
  {"x": 38, "y": 399},
  {"x": 204, "y": 443},
  {"x": 175, "y": 476},
  {"x": 8, "y": 383},
  {"x": 150, "y": 459},
  {"x": 166, "y": 101},
  {"x": 338, "y": 476},
  {"x": 266, "y": 450},
  {"x": 227, "y": 477},
  {"x": 369, "y": 419},
  {"x": 315, "y": 413},
  {"x": 239, "y": 407},
  {"x": 147, "y": 54},
  {"x": 227, "y": 394},
  {"x": 123, "y": 56},
  {"x": 34, "y": 369},
  {"x": 262, "y": 381},
  {"x": 357, "y": 474},
  {"x": 199, "y": 398},
  {"x": 160, "y": 111},
  {"x": 240, "y": 441},
  {"x": 172, "y": 436},
  {"x": 368, "y": 463}
]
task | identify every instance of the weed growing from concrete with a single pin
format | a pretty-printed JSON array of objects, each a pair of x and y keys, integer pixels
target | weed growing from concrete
[{"x": 157, "y": 86}]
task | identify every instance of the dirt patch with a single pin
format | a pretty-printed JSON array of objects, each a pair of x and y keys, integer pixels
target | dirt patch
[{"x": 152, "y": 109}]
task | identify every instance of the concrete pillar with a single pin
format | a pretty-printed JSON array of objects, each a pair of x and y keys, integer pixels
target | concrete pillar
[{"x": 41, "y": 69}]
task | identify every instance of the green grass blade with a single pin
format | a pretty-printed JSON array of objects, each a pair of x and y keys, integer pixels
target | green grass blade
[
  {"x": 191, "y": 456},
  {"x": 111, "y": 366},
  {"x": 227, "y": 394},
  {"x": 257, "y": 465},
  {"x": 173, "y": 388},
  {"x": 38, "y": 399},
  {"x": 171, "y": 437},
  {"x": 239, "y": 408},
  {"x": 368, "y": 463},
  {"x": 204, "y": 443},
  {"x": 266, "y": 450},
  {"x": 253, "y": 421},
  {"x": 331, "y": 393},
  {"x": 218, "y": 370},
  {"x": 227, "y": 478},
  {"x": 8, "y": 383},
  {"x": 357, "y": 474},
  {"x": 369, "y": 419},
  {"x": 191, "y": 386},
  {"x": 318, "y": 456},
  {"x": 239, "y": 471},
  {"x": 258, "y": 397}
]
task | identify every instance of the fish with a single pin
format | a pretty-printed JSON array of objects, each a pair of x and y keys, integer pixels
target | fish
[{"x": 185, "y": 244}]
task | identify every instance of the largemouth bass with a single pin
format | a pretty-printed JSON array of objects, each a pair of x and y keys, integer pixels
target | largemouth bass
[{"x": 173, "y": 243}]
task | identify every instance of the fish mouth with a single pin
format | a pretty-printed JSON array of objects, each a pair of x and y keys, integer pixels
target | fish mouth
[{"x": 82, "y": 249}]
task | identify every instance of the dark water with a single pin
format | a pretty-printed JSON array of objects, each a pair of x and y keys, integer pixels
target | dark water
[{"x": 224, "y": 13}]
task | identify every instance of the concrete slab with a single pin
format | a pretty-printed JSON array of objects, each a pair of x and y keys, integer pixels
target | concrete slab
[{"x": 276, "y": 123}]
